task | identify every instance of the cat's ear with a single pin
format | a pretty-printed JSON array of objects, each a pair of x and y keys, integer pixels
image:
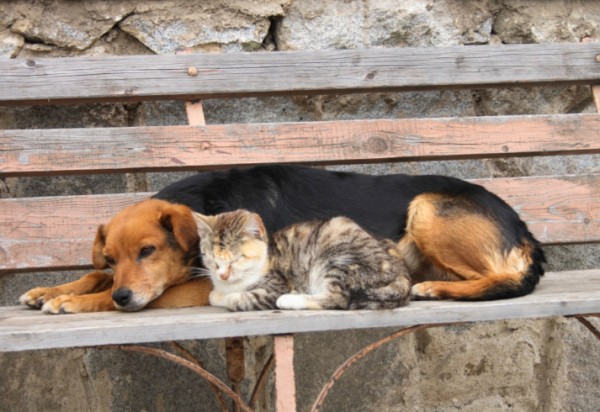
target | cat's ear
[
  {"x": 255, "y": 226},
  {"x": 205, "y": 224}
]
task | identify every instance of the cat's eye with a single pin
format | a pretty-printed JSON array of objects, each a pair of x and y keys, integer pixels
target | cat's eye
[
  {"x": 146, "y": 251},
  {"x": 110, "y": 261},
  {"x": 239, "y": 260}
]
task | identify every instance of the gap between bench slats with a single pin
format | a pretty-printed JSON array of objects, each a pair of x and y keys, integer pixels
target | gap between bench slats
[
  {"x": 558, "y": 294},
  {"x": 97, "y": 150},
  {"x": 128, "y": 78},
  {"x": 57, "y": 232}
]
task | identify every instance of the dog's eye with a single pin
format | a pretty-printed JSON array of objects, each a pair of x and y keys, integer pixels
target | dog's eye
[
  {"x": 109, "y": 260},
  {"x": 146, "y": 251}
]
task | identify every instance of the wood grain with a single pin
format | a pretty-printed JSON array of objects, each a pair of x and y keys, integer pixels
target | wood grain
[
  {"x": 71, "y": 151},
  {"x": 54, "y": 232},
  {"x": 134, "y": 78},
  {"x": 557, "y": 209},
  {"x": 558, "y": 294},
  {"x": 57, "y": 232}
]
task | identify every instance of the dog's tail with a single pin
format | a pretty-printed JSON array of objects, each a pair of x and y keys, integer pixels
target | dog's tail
[{"x": 516, "y": 283}]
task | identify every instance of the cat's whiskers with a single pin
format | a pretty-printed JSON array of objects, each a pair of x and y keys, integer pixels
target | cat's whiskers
[{"x": 197, "y": 272}]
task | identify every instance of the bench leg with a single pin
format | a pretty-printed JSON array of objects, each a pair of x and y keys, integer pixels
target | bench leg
[{"x": 285, "y": 383}]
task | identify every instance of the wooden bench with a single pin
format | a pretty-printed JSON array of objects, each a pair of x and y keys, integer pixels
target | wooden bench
[{"x": 55, "y": 233}]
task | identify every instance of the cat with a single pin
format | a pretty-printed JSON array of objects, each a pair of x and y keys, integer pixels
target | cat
[{"x": 332, "y": 264}]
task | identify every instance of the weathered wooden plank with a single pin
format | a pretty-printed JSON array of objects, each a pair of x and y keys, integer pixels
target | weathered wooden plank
[
  {"x": 559, "y": 209},
  {"x": 56, "y": 232},
  {"x": 126, "y": 78},
  {"x": 558, "y": 294},
  {"x": 32, "y": 152}
]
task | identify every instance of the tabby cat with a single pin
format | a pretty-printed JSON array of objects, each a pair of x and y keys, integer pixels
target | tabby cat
[{"x": 331, "y": 264}]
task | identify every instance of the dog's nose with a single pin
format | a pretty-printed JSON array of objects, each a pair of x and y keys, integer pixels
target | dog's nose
[{"x": 122, "y": 296}]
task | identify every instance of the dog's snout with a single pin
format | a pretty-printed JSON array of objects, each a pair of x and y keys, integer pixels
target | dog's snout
[{"x": 122, "y": 296}]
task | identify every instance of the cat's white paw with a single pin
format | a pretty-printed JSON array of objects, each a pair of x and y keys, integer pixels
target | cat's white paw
[
  {"x": 216, "y": 298},
  {"x": 291, "y": 301}
]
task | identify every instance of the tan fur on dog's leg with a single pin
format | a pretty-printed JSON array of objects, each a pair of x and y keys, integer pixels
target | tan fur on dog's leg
[
  {"x": 94, "y": 302},
  {"x": 96, "y": 281}
]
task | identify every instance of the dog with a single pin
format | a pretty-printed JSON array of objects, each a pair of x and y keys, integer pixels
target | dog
[{"x": 459, "y": 240}]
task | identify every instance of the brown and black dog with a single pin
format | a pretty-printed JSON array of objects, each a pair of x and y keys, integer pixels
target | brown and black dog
[{"x": 459, "y": 240}]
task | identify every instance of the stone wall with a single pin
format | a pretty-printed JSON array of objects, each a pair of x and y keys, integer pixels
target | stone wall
[{"x": 543, "y": 365}]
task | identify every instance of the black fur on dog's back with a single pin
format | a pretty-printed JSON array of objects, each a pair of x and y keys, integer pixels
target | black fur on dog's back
[{"x": 283, "y": 195}]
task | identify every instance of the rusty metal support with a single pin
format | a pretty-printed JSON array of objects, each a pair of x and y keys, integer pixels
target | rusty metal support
[
  {"x": 189, "y": 356},
  {"x": 262, "y": 380},
  {"x": 188, "y": 364},
  {"x": 361, "y": 354},
  {"x": 589, "y": 326},
  {"x": 285, "y": 381},
  {"x": 283, "y": 360}
]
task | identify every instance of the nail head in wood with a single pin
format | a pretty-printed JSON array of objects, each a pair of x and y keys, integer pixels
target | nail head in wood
[{"x": 192, "y": 71}]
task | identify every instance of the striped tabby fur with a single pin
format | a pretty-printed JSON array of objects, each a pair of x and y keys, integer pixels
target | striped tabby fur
[{"x": 331, "y": 264}]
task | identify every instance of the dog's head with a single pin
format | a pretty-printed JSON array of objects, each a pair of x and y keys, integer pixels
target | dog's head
[{"x": 150, "y": 246}]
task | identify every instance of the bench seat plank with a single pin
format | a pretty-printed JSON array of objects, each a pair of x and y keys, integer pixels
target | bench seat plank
[
  {"x": 558, "y": 294},
  {"x": 101, "y": 150},
  {"x": 57, "y": 232},
  {"x": 134, "y": 78}
]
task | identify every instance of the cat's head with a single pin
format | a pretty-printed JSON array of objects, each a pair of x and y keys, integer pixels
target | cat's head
[{"x": 233, "y": 246}]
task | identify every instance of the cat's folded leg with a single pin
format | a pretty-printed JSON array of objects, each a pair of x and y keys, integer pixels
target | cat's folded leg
[{"x": 255, "y": 299}]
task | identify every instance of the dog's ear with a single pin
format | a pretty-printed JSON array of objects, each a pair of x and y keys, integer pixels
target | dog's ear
[
  {"x": 178, "y": 220},
  {"x": 97, "y": 257},
  {"x": 205, "y": 224}
]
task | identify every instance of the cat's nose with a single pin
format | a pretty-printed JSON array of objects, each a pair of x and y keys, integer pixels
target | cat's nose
[{"x": 225, "y": 275}]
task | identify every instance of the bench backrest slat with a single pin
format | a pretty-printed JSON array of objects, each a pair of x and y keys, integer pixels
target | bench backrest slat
[
  {"x": 127, "y": 78},
  {"x": 70, "y": 151},
  {"x": 563, "y": 209},
  {"x": 57, "y": 232}
]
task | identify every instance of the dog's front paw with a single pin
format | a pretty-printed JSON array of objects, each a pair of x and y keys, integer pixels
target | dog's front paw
[
  {"x": 61, "y": 305},
  {"x": 291, "y": 301},
  {"x": 216, "y": 298},
  {"x": 37, "y": 297},
  {"x": 424, "y": 290}
]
